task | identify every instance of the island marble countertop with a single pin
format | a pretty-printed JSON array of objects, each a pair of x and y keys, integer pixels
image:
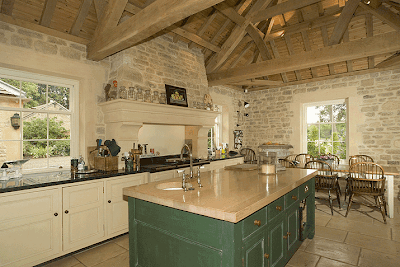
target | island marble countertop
[{"x": 228, "y": 195}]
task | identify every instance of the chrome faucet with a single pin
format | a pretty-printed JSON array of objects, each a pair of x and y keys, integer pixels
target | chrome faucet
[
  {"x": 190, "y": 158},
  {"x": 184, "y": 184}
]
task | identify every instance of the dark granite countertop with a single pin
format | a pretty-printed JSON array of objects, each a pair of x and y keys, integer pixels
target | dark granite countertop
[{"x": 30, "y": 181}]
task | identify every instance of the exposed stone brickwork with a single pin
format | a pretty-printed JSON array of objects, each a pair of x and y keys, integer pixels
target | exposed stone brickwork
[{"x": 379, "y": 94}]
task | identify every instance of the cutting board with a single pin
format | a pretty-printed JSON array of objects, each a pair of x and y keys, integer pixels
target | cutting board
[{"x": 242, "y": 167}]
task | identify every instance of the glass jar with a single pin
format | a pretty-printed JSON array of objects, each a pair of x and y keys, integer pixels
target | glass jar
[
  {"x": 163, "y": 98},
  {"x": 139, "y": 94},
  {"x": 122, "y": 93},
  {"x": 112, "y": 94},
  {"x": 267, "y": 162},
  {"x": 147, "y": 96},
  {"x": 156, "y": 98},
  {"x": 131, "y": 93}
]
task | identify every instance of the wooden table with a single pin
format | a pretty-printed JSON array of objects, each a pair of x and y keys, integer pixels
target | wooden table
[{"x": 390, "y": 172}]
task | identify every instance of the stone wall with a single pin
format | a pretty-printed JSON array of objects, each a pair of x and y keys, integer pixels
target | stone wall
[
  {"x": 373, "y": 111},
  {"x": 160, "y": 61},
  {"x": 27, "y": 50}
]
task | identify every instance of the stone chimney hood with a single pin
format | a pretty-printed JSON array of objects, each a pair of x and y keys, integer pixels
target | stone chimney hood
[{"x": 124, "y": 118}]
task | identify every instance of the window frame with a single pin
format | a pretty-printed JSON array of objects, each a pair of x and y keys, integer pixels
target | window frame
[
  {"x": 73, "y": 85},
  {"x": 303, "y": 135}
]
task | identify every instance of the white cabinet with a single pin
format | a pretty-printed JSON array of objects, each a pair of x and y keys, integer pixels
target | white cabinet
[
  {"x": 30, "y": 227},
  {"x": 83, "y": 218},
  {"x": 160, "y": 176},
  {"x": 116, "y": 205}
]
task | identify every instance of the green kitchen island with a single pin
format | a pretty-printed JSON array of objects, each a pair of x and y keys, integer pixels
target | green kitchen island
[{"x": 238, "y": 218}]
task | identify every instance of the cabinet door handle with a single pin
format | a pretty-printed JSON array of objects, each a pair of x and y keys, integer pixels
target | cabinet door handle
[
  {"x": 56, "y": 214},
  {"x": 285, "y": 237},
  {"x": 279, "y": 208},
  {"x": 306, "y": 189},
  {"x": 288, "y": 233},
  {"x": 257, "y": 222},
  {"x": 109, "y": 201},
  {"x": 294, "y": 197},
  {"x": 266, "y": 255},
  {"x": 66, "y": 211}
]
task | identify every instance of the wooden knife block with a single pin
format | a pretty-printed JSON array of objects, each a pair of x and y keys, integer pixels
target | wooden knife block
[{"x": 106, "y": 163}]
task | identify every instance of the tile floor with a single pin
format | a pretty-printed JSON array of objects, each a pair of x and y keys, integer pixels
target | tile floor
[{"x": 361, "y": 239}]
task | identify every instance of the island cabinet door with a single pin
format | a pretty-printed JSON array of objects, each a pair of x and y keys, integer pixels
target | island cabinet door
[
  {"x": 83, "y": 215},
  {"x": 255, "y": 250},
  {"x": 277, "y": 241},
  {"x": 293, "y": 230}
]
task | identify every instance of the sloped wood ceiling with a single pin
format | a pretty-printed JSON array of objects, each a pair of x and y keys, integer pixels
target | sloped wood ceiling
[{"x": 248, "y": 44}]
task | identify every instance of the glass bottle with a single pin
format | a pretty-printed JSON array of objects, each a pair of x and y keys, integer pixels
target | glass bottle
[
  {"x": 123, "y": 93},
  {"x": 156, "y": 98},
  {"x": 131, "y": 93},
  {"x": 139, "y": 94},
  {"x": 163, "y": 99},
  {"x": 147, "y": 96},
  {"x": 112, "y": 94}
]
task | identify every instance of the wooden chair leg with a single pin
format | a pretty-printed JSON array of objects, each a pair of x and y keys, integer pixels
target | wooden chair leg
[
  {"x": 337, "y": 183},
  {"x": 338, "y": 196},
  {"x": 384, "y": 204},
  {"x": 381, "y": 202},
  {"x": 349, "y": 206},
  {"x": 346, "y": 191},
  {"x": 330, "y": 201}
]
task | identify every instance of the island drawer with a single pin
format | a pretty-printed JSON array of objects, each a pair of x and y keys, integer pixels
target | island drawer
[
  {"x": 305, "y": 189},
  {"x": 291, "y": 197},
  {"x": 275, "y": 208},
  {"x": 254, "y": 222}
]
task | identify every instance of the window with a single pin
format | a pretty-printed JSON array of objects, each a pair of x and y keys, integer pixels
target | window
[
  {"x": 38, "y": 119},
  {"x": 214, "y": 134},
  {"x": 326, "y": 128}
]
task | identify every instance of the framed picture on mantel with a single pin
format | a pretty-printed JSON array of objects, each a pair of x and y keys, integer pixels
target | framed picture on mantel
[{"x": 176, "y": 96}]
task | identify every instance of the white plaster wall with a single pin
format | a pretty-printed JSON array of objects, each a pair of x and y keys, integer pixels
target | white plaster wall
[{"x": 166, "y": 139}]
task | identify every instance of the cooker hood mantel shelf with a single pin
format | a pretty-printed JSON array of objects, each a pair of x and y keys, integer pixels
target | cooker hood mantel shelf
[
  {"x": 124, "y": 118},
  {"x": 126, "y": 111}
]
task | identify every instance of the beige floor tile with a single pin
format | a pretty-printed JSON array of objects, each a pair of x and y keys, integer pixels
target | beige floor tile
[
  {"x": 69, "y": 261},
  {"x": 305, "y": 243},
  {"x": 334, "y": 250},
  {"x": 373, "y": 243},
  {"x": 324, "y": 262},
  {"x": 322, "y": 219},
  {"x": 330, "y": 233},
  {"x": 360, "y": 227},
  {"x": 303, "y": 259},
  {"x": 122, "y": 241},
  {"x": 396, "y": 234},
  {"x": 121, "y": 260},
  {"x": 99, "y": 254},
  {"x": 371, "y": 258}
]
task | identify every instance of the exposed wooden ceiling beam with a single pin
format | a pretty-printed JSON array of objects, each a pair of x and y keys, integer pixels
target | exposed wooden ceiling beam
[
  {"x": 42, "y": 29},
  {"x": 377, "y": 45},
  {"x": 369, "y": 25},
  {"x": 110, "y": 18},
  {"x": 325, "y": 39},
  {"x": 146, "y": 23},
  {"x": 238, "y": 32},
  {"x": 258, "y": 40},
  {"x": 307, "y": 47},
  {"x": 396, "y": 1},
  {"x": 204, "y": 26},
  {"x": 343, "y": 22},
  {"x": 257, "y": 82},
  {"x": 80, "y": 18},
  {"x": 384, "y": 14},
  {"x": 239, "y": 57},
  {"x": 99, "y": 6},
  {"x": 132, "y": 8},
  {"x": 147, "y": 3},
  {"x": 7, "y": 7},
  {"x": 291, "y": 52},
  {"x": 390, "y": 61},
  {"x": 276, "y": 55},
  {"x": 230, "y": 13},
  {"x": 48, "y": 11},
  {"x": 194, "y": 38},
  {"x": 349, "y": 63},
  {"x": 281, "y": 9}
]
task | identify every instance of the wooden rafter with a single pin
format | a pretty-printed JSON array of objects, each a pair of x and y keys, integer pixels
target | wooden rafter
[
  {"x": 110, "y": 18},
  {"x": 240, "y": 56},
  {"x": 307, "y": 47},
  {"x": 291, "y": 52},
  {"x": 99, "y": 6},
  {"x": 7, "y": 7},
  {"x": 369, "y": 25},
  {"x": 236, "y": 36},
  {"x": 325, "y": 39},
  {"x": 258, "y": 40},
  {"x": 204, "y": 26},
  {"x": 377, "y": 45},
  {"x": 349, "y": 63},
  {"x": 257, "y": 82},
  {"x": 276, "y": 55},
  {"x": 42, "y": 29},
  {"x": 281, "y": 9},
  {"x": 390, "y": 61},
  {"x": 80, "y": 18},
  {"x": 384, "y": 14},
  {"x": 48, "y": 11},
  {"x": 343, "y": 21}
]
